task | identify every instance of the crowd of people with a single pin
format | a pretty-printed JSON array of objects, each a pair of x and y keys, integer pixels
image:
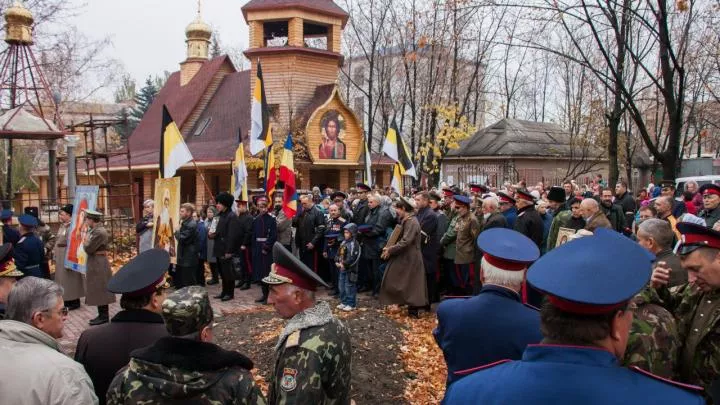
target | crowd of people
[{"x": 541, "y": 288}]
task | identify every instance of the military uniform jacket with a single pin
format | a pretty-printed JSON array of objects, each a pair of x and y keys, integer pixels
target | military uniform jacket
[
  {"x": 98, "y": 267},
  {"x": 312, "y": 360},
  {"x": 227, "y": 234},
  {"x": 559, "y": 374},
  {"x": 468, "y": 229},
  {"x": 29, "y": 253},
  {"x": 710, "y": 216},
  {"x": 127, "y": 331},
  {"x": 182, "y": 371},
  {"x": 428, "y": 238},
  {"x": 10, "y": 235},
  {"x": 510, "y": 216},
  {"x": 447, "y": 241},
  {"x": 698, "y": 320},
  {"x": 486, "y": 328},
  {"x": 530, "y": 224}
]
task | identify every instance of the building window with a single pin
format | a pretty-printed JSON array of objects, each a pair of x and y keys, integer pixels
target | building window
[
  {"x": 276, "y": 33},
  {"x": 202, "y": 126}
]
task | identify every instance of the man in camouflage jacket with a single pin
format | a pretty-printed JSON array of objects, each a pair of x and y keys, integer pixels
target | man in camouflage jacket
[
  {"x": 186, "y": 367},
  {"x": 313, "y": 352},
  {"x": 653, "y": 342}
]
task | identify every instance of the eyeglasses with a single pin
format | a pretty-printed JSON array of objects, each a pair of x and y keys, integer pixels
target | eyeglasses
[{"x": 63, "y": 311}]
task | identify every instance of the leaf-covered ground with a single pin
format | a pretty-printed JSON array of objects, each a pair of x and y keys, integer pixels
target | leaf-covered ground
[{"x": 394, "y": 359}]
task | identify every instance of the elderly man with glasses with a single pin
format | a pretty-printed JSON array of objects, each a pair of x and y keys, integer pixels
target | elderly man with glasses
[{"x": 40, "y": 373}]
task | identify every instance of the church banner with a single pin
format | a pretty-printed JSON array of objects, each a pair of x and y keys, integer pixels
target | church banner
[
  {"x": 85, "y": 199},
  {"x": 167, "y": 215}
]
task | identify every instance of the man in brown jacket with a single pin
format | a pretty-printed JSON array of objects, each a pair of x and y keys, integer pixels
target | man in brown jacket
[
  {"x": 468, "y": 229},
  {"x": 594, "y": 217},
  {"x": 98, "y": 267}
]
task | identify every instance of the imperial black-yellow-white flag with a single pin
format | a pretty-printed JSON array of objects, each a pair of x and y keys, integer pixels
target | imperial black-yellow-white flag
[
  {"x": 173, "y": 151},
  {"x": 260, "y": 133},
  {"x": 396, "y": 149}
]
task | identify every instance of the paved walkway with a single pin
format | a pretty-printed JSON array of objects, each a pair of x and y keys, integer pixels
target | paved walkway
[{"x": 77, "y": 320}]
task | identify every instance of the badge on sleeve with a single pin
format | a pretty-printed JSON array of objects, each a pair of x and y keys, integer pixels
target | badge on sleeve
[{"x": 288, "y": 382}]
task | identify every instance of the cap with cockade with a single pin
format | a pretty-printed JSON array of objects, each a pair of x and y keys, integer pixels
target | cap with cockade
[
  {"x": 7, "y": 264},
  {"x": 693, "y": 236},
  {"x": 187, "y": 311},
  {"x": 363, "y": 187},
  {"x": 143, "y": 275},
  {"x": 435, "y": 196},
  {"x": 524, "y": 195},
  {"x": 478, "y": 188},
  {"x": 710, "y": 188},
  {"x": 668, "y": 184},
  {"x": 28, "y": 220},
  {"x": 338, "y": 194},
  {"x": 34, "y": 211},
  {"x": 507, "y": 249},
  {"x": 504, "y": 198},
  {"x": 461, "y": 199},
  {"x": 67, "y": 208},
  {"x": 556, "y": 194},
  {"x": 288, "y": 269},
  {"x": 94, "y": 215},
  {"x": 580, "y": 277}
]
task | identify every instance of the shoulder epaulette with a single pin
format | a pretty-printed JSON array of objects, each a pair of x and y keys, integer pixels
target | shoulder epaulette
[
  {"x": 293, "y": 339},
  {"x": 484, "y": 367},
  {"x": 452, "y": 297},
  {"x": 688, "y": 387},
  {"x": 531, "y": 307}
]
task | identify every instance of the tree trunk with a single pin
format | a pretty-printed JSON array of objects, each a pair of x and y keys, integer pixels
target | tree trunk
[{"x": 613, "y": 129}]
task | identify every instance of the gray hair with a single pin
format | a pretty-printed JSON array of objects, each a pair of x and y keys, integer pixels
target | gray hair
[
  {"x": 658, "y": 229},
  {"x": 689, "y": 183},
  {"x": 31, "y": 295},
  {"x": 492, "y": 202},
  {"x": 376, "y": 197},
  {"x": 590, "y": 203},
  {"x": 496, "y": 275},
  {"x": 148, "y": 203},
  {"x": 308, "y": 294}
]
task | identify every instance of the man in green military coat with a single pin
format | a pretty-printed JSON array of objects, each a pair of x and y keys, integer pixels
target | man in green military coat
[
  {"x": 696, "y": 306},
  {"x": 571, "y": 219},
  {"x": 313, "y": 352}
]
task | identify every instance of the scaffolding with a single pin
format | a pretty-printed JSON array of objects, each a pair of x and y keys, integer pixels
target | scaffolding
[{"x": 117, "y": 200}]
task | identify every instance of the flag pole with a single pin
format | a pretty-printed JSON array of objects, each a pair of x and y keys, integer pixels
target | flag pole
[{"x": 202, "y": 177}]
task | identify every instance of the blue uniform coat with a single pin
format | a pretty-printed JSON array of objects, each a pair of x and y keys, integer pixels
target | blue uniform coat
[
  {"x": 510, "y": 216},
  {"x": 28, "y": 253},
  {"x": 492, "y": 326},
  {"x": 557, "y": 374},
  {"x": 10, "y": 235},
  {"x": 264, "y": 235}
]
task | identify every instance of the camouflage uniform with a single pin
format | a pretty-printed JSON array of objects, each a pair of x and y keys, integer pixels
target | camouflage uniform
[
  {"x": 183, "y": 370},
  {"x": 653, "y": 343},
  {"x": 698, "y": 318},
  {"x": 312, "y": 360}
]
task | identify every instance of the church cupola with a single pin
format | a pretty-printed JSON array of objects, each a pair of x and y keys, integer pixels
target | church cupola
[{"x": 197, "y": 38}]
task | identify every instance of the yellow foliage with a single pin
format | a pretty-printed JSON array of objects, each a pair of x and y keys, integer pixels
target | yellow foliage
[{"x": 452, "y": 128}]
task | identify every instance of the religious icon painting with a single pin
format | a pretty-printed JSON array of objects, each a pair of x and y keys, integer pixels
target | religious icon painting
[
  {"x": 563, "y": 236},
  {"x": 332, "y": 127},
  {"x": 167, "y": 215},
  {"x": 75, "y": 256}
]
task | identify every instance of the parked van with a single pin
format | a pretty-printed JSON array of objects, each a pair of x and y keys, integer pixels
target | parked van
[{"x": 700, "y": 180}]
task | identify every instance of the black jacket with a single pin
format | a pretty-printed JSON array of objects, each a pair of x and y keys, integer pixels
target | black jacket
[
  {"x": 245, "y": 229},
  {"x": 429, "y": 243},
  {"x": 310, "y": 228},
  {"x": 615, "y": 215},
  {"x": 374, "y": 239},
  {"x": 128, "y": 330},
  {"x": 187, "y": 243},
  {"x": 495, "y": 220},
  {"x": 530, "y": 224},
  {"x": 360, "y": 212},
  {"x": 627, "y": 203},
  {"x": 227, "y": 234}
]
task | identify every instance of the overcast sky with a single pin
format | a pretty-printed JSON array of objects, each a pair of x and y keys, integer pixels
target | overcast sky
[{"x": 148, "y": 36}]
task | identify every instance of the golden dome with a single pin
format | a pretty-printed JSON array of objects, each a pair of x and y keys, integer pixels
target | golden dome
[
  {"x": 198, "y": 28},
  {"x": 19, "y": 13}
]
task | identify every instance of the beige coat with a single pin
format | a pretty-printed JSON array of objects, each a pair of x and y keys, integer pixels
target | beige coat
[
  {"x": 37, "y": 371},
  {"x": 404, "y": 280},
  {"x": 72, "y": 281},
  {"x": 98, "y": 268},
  {"x": 468, "y": 229},
  {"x": 598, "y": 220}
]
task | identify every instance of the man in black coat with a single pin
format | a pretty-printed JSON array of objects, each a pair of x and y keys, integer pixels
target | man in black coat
[
  {"x": 187, "y": 257},
  {"x": 226, "y": 246},
  {"x": 243, "y": 262},
  {"x": 429, "y": 243},
  {"x": 372, "y": 236},
  {"x": 668, "y": 190},
  {"x": 625, "y": 200},
  {"x": 529, "y": 222},
  {"x": 360, "y": 211},
  {"x": 105, "y": 349},
  {"x": 492, "y": 218},
  {"x": 310, "y": 225},
  {"x": 613, "y": 212}
]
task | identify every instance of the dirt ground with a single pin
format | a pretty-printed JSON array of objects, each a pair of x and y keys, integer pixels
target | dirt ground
[{"x": 378, "y": 375}]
